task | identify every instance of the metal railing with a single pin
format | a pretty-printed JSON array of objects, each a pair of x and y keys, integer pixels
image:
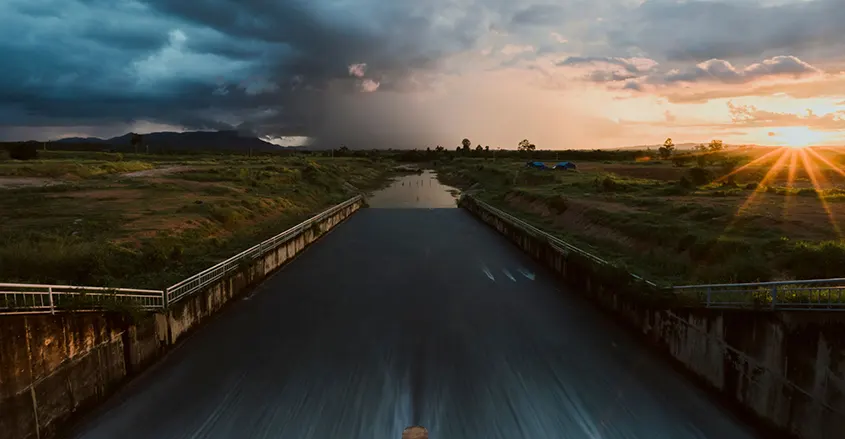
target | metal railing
[
  {"x": 561, "y": 245},
  {"x": 212, "y": 274},
  {"x": 37, "y": 299},
  {"x": 794, "y": 295},
  {"x": 814, "y": 294}
]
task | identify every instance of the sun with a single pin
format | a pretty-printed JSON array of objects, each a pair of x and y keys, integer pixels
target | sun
[{"x": 798, "y": 137}]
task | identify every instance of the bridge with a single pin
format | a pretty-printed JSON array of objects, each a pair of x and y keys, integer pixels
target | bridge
[{"x": 411, "y": 312}]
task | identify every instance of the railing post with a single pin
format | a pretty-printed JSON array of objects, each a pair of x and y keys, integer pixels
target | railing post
[
  {"x": 774, "y": 296},
  {"x": 165, "y": 293},
  {"x": 52, "y": 307},
  {"x": 709, "y": 295}
]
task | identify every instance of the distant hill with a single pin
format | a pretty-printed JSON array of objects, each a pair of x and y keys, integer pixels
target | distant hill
[
  {"x": 679, "y": 147},
  {"x": 191, "y": 141},
  {"x": 82, "y": 140}
]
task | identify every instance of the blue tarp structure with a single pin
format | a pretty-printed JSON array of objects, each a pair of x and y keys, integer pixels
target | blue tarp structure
[
  {"x": 565, "y": 165},
  {"x": 538, "y": 165}
]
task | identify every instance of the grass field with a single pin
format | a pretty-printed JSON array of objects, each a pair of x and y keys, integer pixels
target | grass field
[
  {"x": 149, "y": 221},
  {"x": 760, "y": 214}
]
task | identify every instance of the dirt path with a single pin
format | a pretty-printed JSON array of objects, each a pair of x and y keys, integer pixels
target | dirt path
[
  {"x": 22, "y": 182},
  {"x": 158, "y": 172}
]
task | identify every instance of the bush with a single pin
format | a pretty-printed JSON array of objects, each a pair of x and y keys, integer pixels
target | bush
[
  {"x": 64, "y": 260},
  {"x": 23, "y": 151},
  {"x": 685, "y": 183},
  {"x": 716, "y": 250},
  {"x": 700, "y": 176},
  {"x": 808, "y": 260},
  {"x": 609, "y": 184},
  {"x": 738, "y": 268},
  {"x": 228, "y": 216},
  {"x": 730, "y": 182}
]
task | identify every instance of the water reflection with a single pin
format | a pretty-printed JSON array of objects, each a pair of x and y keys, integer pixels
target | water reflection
[{"x": 415, "y": 191}]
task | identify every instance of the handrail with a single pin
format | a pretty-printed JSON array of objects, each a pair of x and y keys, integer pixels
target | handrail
[
  {"x": 18, "y": 298},
  {"x": 811, "y": 294},
  {"x": 769, "y": 283},
  {"x": 554, "y": 240},
  {"x": 194, "y": 283}
]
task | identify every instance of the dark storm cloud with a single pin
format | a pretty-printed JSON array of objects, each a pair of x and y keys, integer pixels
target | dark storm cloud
[
  {"x": 281, "y": 67},
  {"x": 626, "y": 64},
  {"x": 211, "y": 63},
  {"x": 716, "y": 70},
  {"x": 543, "y": 14},
  {"x": 731, "y": 29}
]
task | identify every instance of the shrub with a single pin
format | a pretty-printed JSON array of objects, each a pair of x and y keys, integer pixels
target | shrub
[
  {"x": 609, "y": 184},
  {"x": 716, "y": 250},
  {"x": 700, "y": 176},
  {"x": 746, "y": 267},
  {"x": 558, "y": 204},
  {"x": 228, "y": 216},
  {"x": 23, "y": 151},
  {"x": 808, "y": 260}
]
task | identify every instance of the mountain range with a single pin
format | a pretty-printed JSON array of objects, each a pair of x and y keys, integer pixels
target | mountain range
[
  {"x": 187, "y": 141},
  {"x": 227, "y": 141}
]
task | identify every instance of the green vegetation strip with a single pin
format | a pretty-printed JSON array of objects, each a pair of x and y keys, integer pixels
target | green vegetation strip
[{"x": 101, "y": 229}]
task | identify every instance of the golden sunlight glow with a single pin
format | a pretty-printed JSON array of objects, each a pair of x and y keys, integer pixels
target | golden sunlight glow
[
  {"x": 760, "y": 159},
  {"x": 790, "y": 181},
  {"x": 788, "y": 160},
  {"x": 821, "y": 158},
  {"x": 776, "y": 168},
  {"x": 798, "y": 137},
  {"x": 816, "y": 178}
]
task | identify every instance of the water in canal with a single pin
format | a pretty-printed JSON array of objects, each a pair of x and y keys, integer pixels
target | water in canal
[{"x": 415, "y": 191}]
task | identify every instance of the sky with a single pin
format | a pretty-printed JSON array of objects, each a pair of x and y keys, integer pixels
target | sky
[{"x": 415, "y": 74}]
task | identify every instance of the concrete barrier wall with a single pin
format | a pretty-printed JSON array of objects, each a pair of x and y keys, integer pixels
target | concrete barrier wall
[
  {"x": 52, "y": 366},
  {"x": 189, "y": 312},
  {"x": 56, "y": 367},
  {"x": 784, "y": 370}
]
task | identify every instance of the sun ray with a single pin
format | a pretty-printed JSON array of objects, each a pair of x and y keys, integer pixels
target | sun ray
[
  {"x": 770, "y": 174},
  {"x": 753, "y": 162},
  {"x": 811, "y": 169},
  {"x": 785, "y": 153},
  {"x": 826, "y": 161},
  {"x": 790, "y": 181}
]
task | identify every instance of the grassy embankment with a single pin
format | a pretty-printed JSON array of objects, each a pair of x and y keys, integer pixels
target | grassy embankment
[
  {"x": 89, "y": 218},
  {"x": 682, "y": 224}
]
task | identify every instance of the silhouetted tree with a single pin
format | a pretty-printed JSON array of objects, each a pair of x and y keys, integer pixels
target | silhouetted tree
[
  {"x": 667, "y": 149},
  {"x": 136, "y": 141},
  {"x": 716, "y": 145},
  {"x": 525, "y": 145},
  {"x": 466, "y": 144}
]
